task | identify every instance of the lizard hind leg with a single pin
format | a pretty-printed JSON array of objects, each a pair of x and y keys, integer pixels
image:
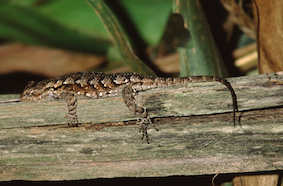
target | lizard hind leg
[
  {"x": 144, "y": 120},
  {"x": 71, "y": 100}
]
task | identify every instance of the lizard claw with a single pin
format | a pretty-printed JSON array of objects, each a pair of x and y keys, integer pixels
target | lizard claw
[
  {"x": 143, "y": 130},
  {"x": 144, "y": 122}
]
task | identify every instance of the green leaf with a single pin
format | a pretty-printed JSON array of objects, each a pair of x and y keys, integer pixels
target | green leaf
[
  {"x": 200, "y": 56},
  {"x": 26, "y": 25},
  {"x": 119, "y": 37},
  {"x": 146, "y": 19}
]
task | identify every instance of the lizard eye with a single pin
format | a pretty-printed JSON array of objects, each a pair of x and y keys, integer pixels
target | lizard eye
[{"x": 30, "y": 83}]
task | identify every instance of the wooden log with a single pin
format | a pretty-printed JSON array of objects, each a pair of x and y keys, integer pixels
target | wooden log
[
  {"x": 36, "y": 144},
  {"x": 196, "y": 99}
]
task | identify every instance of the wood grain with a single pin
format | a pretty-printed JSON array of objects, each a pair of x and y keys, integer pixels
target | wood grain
[
  {"x": 37, "y": 147},
  {"x": 269, "y": 22}
]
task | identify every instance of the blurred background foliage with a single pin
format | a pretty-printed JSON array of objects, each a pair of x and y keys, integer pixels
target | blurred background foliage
[
  {"x": 47, "y": 21},
  {"x": 50, "y": 37},
  {"x": 35, "y": 21}
]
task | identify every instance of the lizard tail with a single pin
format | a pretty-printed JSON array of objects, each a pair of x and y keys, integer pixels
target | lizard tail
[
  {"x": 191, "y": 79},
  {"x": 148, "y": 82}
]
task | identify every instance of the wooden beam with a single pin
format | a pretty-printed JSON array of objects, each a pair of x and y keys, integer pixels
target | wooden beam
[
  {"x": 37, "y": 145},
  {"x": 254, "y": 92}
]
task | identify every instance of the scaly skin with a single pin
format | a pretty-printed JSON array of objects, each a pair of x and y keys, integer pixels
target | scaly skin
[{"x": 96, "y": 85}]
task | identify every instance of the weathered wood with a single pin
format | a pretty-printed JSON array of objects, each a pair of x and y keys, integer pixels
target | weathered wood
[
  {"x": 194, "y": 145},
  {"x": 253, "y": 92}
]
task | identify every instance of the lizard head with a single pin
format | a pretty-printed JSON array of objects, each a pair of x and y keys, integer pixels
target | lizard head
[{"x": 33, "y": 92}]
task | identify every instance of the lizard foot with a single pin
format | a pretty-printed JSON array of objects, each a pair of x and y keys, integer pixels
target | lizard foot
[
  {"x": 73, "y": 121},
  {"x": 144, "y": 122}
]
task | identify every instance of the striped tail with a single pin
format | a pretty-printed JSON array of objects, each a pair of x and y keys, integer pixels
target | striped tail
[{"x": 192, "y": 79}]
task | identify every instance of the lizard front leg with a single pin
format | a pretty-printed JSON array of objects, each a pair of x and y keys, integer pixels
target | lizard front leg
[
  {"x": 71, "y": 100},
  {"x": 144, "y": 120}
]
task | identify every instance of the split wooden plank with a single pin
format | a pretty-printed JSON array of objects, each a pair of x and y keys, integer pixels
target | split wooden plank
[
  {"x": 253, "y": 92},
  {"x": 194, "y": 145}
]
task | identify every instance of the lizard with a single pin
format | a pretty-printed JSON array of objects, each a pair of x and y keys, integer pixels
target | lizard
[{"x": 97, "y": 85}]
